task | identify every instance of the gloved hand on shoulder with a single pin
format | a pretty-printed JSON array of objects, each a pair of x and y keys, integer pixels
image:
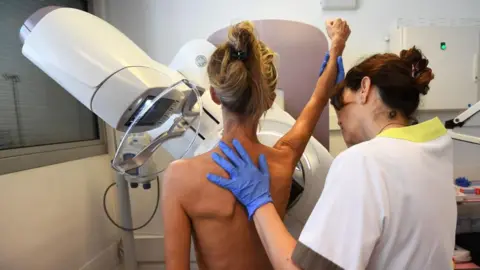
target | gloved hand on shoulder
[{"x": 248, "y": 183}]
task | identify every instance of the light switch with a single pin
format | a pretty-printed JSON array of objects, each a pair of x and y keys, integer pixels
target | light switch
[{"x": 338, "y": 4}]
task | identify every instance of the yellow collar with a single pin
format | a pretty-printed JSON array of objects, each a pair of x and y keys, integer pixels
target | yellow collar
[{"x": 421, "y": 132}]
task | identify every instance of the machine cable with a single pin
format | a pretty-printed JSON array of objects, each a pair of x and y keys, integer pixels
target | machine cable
[{"x": 136, "y": 228}]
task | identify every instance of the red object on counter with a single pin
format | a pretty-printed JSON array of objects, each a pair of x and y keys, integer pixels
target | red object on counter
[{"x": 466, "y": 266}]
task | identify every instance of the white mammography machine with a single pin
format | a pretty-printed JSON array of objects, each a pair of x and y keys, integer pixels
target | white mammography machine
[{"x": 122, "y": 85}]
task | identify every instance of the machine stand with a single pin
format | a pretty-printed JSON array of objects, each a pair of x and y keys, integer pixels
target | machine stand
[{"x": 128, "y": 240}]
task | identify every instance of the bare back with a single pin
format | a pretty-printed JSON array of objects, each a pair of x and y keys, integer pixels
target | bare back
[{"x": 222, "y": 234}]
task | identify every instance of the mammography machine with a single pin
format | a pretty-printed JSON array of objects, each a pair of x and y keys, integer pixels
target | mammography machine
[{"x": 122, "y": 85}]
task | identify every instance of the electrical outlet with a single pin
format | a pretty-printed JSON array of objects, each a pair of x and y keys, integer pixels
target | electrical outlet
[{"x": 120, "y": 251}]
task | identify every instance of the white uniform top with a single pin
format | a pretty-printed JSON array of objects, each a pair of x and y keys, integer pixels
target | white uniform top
[{"x": 388, "y": 203}]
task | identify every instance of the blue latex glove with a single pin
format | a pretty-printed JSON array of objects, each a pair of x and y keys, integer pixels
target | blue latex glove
[
  {"x": 341, "y": 69},
  {"x": 249, "y": 184},
  {"x": 462, "y": 182}
]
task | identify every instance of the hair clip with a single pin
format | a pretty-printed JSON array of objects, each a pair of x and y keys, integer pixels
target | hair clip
[
  {"x": 414, "y": 71},
  {"x": 417, "y": 67}
]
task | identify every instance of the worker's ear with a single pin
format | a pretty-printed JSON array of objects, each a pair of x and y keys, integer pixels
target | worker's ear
[
  {"x": 365, "y": 89},
  {"x": 214, "y": 96}
]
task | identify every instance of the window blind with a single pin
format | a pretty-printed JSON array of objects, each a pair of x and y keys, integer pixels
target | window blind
[{"x": 34, "y": 109}]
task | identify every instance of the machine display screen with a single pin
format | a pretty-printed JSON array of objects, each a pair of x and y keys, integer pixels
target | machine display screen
[{"x": 154, "y": 114}]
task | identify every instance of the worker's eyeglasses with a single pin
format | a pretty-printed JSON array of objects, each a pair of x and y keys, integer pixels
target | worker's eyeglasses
[{"x": 338, "y": 101}]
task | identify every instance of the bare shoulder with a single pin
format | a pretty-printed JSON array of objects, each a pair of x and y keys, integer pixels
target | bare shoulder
[
  {"x": 185, "y": 181},
  {"x": 182, "y": 174},
  {"x": 178, "y": 170},
  {"x": 173, "y": 172}
]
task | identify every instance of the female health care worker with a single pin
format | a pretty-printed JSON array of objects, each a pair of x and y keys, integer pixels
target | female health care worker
[{"x": 388, "y": 201}]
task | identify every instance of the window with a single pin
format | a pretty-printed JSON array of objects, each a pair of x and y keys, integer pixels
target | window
[{"x": 40, "y": 122}]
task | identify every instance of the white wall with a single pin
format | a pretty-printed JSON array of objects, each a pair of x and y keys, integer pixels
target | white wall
[
  {"x": 52, "y": 217},
  {"x": 161, "y": 27}
]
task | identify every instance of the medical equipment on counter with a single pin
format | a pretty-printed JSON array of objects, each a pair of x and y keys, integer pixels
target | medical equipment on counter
[
  {"x": 132, "y": 93},
  {"x": 467, "y": 191},
  {"x": 461, "y": 255}
]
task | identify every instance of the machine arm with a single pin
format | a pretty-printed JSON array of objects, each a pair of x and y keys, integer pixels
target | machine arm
[{"x": 459, "y": 121}]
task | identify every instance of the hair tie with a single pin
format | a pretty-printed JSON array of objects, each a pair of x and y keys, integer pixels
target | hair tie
[{"x": 238, "y": 55}]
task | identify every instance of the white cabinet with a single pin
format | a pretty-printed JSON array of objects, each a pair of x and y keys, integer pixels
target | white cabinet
[{"x": 453, "y": 55}]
